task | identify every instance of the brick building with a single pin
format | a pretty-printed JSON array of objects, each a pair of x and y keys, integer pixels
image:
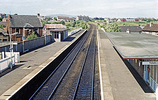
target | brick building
[{"x": 24, "y": 25}]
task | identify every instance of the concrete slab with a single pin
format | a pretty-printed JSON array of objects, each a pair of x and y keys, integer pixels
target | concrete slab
[
  {"x": 36, "y": 60},
  {"x": 118, "y": 82},
  {"x": 135, "y": 45}
]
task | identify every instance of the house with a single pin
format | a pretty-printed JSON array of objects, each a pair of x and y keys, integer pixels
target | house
[
  {"x": 118, "y": 20},
  {"x": 123, "y": 20},
  {"x": 24, "y": 25},
  {"x": 98, "y": 18},
  {"x": 63, "y": 18},
  {"x": 4, "y": 37},
  {"x": 58, "y": 31},
  {"x": 3, "y": 22},
  {"x": 151, "y": 29},
  {"x": 131, "y": 29},
  {"x": 3, "y": 15},
  {"x": 84, "y": 18}
]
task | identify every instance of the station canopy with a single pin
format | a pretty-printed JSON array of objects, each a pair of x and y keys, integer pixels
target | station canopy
[{"x": 135, "y": 45}]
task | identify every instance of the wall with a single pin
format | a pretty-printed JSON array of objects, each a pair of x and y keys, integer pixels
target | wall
[{"x": 28, "y": 45}]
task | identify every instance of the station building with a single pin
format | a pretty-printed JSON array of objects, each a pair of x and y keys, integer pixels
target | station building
[
  {"x": 141, "y": 50},
  {"x": 58, "y": 31}
]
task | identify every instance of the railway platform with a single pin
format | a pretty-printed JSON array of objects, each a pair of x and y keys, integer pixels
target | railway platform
[
  {"x": 117, "y": 81},
  {"x": 31, "y": 63}
]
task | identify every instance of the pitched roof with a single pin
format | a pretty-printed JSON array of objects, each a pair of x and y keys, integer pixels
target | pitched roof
[
  {"x": 3, "y": 32},
  {"x": 3, "y": 23},
  {"x": 63, "y": 17},
  {"x": 151, "y": 27},
  {"x": 55, "y": 26},
  {"x": 25, "y": 21},
  {"x": 131, "y": 28}
]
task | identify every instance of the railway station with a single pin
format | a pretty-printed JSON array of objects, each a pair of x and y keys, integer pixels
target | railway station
[
  {"x": 141, "y": 50},
  {"x": 113, "y": 80}
]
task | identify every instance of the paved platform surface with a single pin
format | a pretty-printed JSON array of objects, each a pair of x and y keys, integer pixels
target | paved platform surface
[
  {"x": 30, "y": 64},
  {"x": 118, "y": 82}
]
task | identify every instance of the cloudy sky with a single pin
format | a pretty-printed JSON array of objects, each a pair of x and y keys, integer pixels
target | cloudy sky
[{"x": 92, "y": 8}]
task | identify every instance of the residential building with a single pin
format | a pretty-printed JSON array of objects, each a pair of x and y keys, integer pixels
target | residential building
[
  {"x": 4, "y": 21},
  {"x": 123, "y": 20},
  {"x": 24, "y": 25},
  {"x": 63, "y": 18},
  {"x": 84, "y": 18},
  {"x": 131, "y": 29},
  {"x": 98, "y": 18},
  {"x": 4, "y": 37},
  {"x": 58, "y": 31},
  {"x": 118, "y": 20},
  {"x": 151, "y": 29},
  {"x": 3, "y": 15}
]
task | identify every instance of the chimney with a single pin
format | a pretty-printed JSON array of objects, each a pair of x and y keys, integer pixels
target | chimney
[{"x": 38, "y": 15}]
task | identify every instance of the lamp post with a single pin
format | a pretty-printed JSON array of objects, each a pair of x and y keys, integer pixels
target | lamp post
[
  {"x": 11, "y": 47},
  {"x": 45, "y": 34}
]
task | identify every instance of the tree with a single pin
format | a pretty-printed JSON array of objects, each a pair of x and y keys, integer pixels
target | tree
[
  {"x": 112, "y": 28},
  {"x": 2, "y": 26},
  {"x": 32, "y": 36},
  {"x": 73, "y": 24},
  {"x": 55, "y": 18},
  {"x": 62, "y": 22},
  {"x": 1, "y": 18}
]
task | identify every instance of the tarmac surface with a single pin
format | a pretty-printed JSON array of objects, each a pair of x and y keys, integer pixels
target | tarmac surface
[
  {"x": 118, "y": 82},
  {"x": 30, "y": 64}
]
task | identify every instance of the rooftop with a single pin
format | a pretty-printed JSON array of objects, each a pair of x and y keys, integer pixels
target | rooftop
[
  {"x": 151, "y": 27},
  {"x": 135, "y": 45},
  {"x": 55, "y": 26},
  {"x": 58, "y": 30},
  {"x": 131, "y": 28},
  {"x": 25, "y": 20}
]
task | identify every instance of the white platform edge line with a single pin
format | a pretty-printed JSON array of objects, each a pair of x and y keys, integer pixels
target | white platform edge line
[{"x": 101, "y": 83}]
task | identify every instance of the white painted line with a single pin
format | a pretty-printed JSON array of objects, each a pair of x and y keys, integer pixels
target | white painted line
[{"x": 101, "y": 83}]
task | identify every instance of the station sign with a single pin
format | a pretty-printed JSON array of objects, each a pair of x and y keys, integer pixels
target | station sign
[{"x": 150, "y": 63}]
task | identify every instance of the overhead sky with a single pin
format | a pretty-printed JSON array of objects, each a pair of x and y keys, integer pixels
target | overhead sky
[{"x": 92, "y": 8}]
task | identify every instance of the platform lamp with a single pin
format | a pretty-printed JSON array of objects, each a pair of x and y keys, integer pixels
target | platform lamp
[{"x": 11, "y": 47}]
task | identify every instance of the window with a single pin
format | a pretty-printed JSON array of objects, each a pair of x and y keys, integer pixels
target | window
[
  {"x": 4, "y": 40},
  {"x": 56, "y": 35},
  {"x": 17, "y": 30}
]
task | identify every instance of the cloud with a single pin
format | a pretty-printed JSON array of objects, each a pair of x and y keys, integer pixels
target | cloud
[{"x": 102, "y": 8}]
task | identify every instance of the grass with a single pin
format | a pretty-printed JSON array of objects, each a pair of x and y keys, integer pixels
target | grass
[{"x": 141, "y": 23}]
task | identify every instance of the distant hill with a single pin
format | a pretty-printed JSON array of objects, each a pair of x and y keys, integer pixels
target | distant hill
[{"x": 55, "y": 15}]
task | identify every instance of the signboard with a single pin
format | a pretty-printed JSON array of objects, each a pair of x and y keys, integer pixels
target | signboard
[
  {"x": 23, "y": 37},
  {"x": 150, "y": 63}
]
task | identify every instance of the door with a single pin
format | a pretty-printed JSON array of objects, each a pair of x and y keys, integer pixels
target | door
[{"x": 147, "y": 73}]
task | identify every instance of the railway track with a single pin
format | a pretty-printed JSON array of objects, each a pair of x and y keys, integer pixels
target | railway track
[{"x": 74, "y": 76}]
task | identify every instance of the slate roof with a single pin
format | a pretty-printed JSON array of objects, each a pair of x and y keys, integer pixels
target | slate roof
[
  {"x": 131, "y": 28},
  {"x": 25, "y": 21},
  {"x": 3, "y": 23},
  {"x": 151, "y": 28},
  {"x": 3, "y": 32}
]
